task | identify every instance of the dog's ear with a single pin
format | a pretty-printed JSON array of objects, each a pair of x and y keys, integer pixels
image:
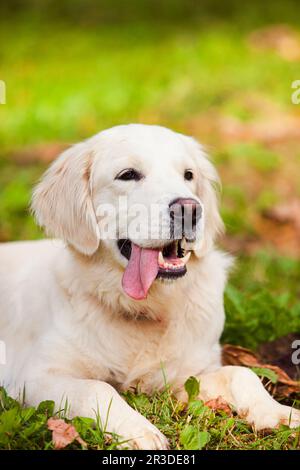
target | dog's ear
[
  {"x": 62, "y": 202},
  {"x": 208, "y": 190}
]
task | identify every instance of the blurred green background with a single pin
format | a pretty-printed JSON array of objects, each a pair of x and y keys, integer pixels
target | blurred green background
[{"x": 221, "y": 71}]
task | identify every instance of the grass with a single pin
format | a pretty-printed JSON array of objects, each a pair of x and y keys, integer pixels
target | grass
[
  {"x": 114, "y": 73},
  {"x": 192, "y": 427},
  {"x": 71, "y": 71},
  {"x": 262, "y": 300}
]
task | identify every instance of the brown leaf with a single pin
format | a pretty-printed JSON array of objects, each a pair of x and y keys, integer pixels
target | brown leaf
[
  {"x": 219, "y": 404},
  {"x": 239, "y": 356},
  {"x": 63, "y": 433}
]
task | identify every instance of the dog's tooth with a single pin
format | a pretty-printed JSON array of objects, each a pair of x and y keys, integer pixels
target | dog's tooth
[
  {"x": 161, "y": 260},
  {"x": 180, "y": 262}
]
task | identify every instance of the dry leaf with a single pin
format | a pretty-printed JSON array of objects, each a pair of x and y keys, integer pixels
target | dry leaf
[
  {"x": 219, "y": 404},
  {"x": 239, "y": 356},
  {"x": 63, "y": 433}
]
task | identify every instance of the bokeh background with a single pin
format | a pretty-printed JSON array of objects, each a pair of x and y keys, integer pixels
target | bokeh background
[{"x": 221, "y": 71}]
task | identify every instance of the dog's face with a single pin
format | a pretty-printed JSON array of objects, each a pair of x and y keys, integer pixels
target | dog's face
[{"x": 142, "y": 193}]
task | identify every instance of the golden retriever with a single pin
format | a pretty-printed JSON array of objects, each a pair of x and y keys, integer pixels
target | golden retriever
[{"x": 106, "y": 305}]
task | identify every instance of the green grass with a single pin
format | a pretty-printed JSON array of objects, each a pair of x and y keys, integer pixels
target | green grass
[
  {"x": 67, "y": 81},
  {"x": 191, "y": 427},
  {"x": 262, "y": 300},
  {"x": 71, "y": 70}
]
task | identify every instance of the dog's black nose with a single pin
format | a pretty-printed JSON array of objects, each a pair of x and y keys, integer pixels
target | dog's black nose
[{"x": 185, "y": 213}]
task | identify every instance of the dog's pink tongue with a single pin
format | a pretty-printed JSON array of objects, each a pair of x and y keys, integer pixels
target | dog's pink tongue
[{"x": 141, "y": 270}]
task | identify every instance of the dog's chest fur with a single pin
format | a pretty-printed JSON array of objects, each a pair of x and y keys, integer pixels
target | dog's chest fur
[{"x": 130, "y": 352}]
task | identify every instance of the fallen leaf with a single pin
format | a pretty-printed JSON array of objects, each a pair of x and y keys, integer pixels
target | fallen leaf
[
  {"x": 219, "y": 404},
  {"x": 63, "y": 433},
  {"x": 239, "y": 356}
]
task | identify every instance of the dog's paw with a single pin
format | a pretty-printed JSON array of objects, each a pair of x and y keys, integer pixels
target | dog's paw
[
  {"x": 142, "y": 435},
  {"x": 271, "y": 417}
]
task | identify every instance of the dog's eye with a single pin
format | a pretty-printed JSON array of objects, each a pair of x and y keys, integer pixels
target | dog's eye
[
  {"x": 129, "y": 174},
  {"x": 188, "y": 175}
]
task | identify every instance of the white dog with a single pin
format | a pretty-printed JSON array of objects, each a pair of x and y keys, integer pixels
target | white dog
[{"x": 89, "y": 315}]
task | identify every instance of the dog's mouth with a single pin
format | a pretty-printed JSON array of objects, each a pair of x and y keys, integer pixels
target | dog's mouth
[{"x": 147, "y": 264}]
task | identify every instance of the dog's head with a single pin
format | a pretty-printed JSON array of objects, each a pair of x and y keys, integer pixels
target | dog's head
[{"x": 144, "y": 194}]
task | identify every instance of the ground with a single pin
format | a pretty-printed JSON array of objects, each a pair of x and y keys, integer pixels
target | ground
[{"x": 224, "y": 77}]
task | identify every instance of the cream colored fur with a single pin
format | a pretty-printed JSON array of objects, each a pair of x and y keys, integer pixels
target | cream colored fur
[{"x": 69, "y": 329}]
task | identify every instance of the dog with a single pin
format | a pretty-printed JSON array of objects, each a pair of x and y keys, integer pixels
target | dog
[{"x": 85, "y": 316}]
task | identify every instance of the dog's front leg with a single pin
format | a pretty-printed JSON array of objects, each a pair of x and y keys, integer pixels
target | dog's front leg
[
  {"x": 91, "y": 398},
  {"x": 242, "y": 388}
]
